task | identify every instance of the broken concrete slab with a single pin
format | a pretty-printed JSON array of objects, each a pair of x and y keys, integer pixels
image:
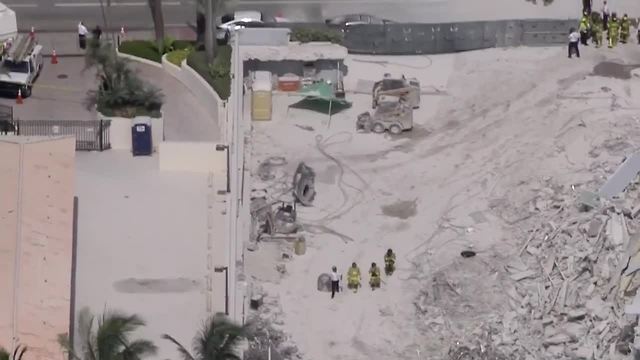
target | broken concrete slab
[
  {"x": 576, "y": 315},
  {"x": 588, "y": 200},
  {"x": 620, "y": 180},
  {"x": 634, "y": 307},
  {"x": 524, "y": 275},
  {"x": 616, "y": 230},
  {"x": 557, "y": 339},
  {"x": 594, "y": 227},
  {"x": 597, "y": 308}
]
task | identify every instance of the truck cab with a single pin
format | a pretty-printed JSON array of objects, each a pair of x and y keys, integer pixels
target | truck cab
[{"x": 20, "y": 66}]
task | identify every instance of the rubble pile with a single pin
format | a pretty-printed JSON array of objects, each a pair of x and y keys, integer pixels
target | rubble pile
[
  {"x": 265, "y": 334},
  {"x": 561, "y": 295}
]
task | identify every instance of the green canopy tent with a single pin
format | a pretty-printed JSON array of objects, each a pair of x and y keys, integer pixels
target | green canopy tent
[{"x": 320, "y": 97}]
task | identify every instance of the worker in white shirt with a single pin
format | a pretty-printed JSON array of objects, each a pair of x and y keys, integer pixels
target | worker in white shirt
[
  {"x": 574, "y": 38},
  {"x": 82, "y": 35},
  {"x": 335, "y": 281}
]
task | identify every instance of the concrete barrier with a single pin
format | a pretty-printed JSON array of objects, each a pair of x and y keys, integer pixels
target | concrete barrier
[
  {"x": 215, "y": 107},
  {"x": 200, "y": 157},
  {"x": 138, "y": 59},
  {"x": 120, "y": 131}
]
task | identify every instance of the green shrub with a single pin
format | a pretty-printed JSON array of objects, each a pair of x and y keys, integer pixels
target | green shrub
[
  {"x": 177, "y": 56},
  {"x": 141, "y": 48},
  {"x": 217, "y": 74},
  {"x": 306, "y": 35},
  {"x": 148, "y": 49},
  {"x": 121, "y": 91},
  {"x": 183, "y": 44}
]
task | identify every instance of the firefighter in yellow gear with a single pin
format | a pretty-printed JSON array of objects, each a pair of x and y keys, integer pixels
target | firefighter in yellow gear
[
  {"x": 389, "y": 262},
  {"x": 625, "y": 27},
  {"x": 614, "y": 27},
  {"x": 374, "y": 276},
  {"x": 597, "y": 33},
  {"x": 585, "y": 27},
  {"x": 353, "y": 277}
]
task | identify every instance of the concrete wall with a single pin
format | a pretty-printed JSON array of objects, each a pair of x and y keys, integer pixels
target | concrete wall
[
  {"x": 37, "y": 190},
  {"x": 193, "y": 157},
  {"x": 201, "y": 90},
  {"x": 264, "y": 36}
]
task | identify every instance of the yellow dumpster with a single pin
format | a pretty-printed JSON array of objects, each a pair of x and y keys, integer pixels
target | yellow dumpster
[{"x": 261, "y": 101}]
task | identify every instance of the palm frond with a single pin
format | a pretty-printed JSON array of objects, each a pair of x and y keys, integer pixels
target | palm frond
[
  {"x": 181, "y": 349},
  {"x": 138, "y": 349},
  {"x": 4, "y": 354}
]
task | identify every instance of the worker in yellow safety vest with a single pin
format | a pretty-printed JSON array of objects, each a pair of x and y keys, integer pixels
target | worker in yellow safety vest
[
  {"x": 625, "y": 27},
  {"x": 584, "y": 28},
  {"x": 353, "y": 277},
  {"x": 374, "y": 276},
  {"x": 389, "y": 262},
  {"x": 613, "y": 30},
  {"x": 596, "y": 30}
]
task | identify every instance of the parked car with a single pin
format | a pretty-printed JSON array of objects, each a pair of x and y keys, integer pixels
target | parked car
[
  {"x": 229, "y": 23},
  {"x": 345, "y": 21}
]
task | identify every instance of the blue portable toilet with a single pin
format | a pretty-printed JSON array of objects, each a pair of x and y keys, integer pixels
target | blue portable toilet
[{"x": 141, "y": 139}]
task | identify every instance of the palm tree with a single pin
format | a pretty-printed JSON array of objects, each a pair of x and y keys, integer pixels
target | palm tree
[
  {"x": 17, "y": 353},
  {"x": 110, "y": 340},
  {"x": 158, "y": 23},
  {"x": 218, "y": 339}
]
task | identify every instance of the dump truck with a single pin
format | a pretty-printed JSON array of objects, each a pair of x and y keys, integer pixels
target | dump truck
[
  {"x": 393, "y": 114},
  {"x": 403, "y": 87},
  {"x": 21, "y": 64}
]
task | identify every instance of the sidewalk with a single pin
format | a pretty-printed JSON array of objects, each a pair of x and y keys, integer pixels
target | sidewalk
[
  {"x": 184, "y": 118},
  {"x": 66, "y": 43}
]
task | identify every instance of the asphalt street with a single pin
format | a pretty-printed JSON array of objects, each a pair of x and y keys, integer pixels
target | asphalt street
[{"x": 63, "y": 15}]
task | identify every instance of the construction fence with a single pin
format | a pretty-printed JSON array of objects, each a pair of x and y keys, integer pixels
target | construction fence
[{"x": 411, "y": 39}]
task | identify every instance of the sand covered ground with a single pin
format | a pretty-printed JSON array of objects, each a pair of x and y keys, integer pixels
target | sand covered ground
[{"x": 501, "y": 137}]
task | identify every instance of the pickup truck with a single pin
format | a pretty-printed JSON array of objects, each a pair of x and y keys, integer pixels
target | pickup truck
[{"x": 20, "y": 66}]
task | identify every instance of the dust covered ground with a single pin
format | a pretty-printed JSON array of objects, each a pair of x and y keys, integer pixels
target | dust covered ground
[{"x": 504, "y": 141}]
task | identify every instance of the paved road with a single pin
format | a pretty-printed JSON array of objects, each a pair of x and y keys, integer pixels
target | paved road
[{"x": 63, "y": 15}]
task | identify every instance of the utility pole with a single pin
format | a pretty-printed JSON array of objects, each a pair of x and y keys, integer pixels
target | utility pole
[{"x": 208, "y": 30}]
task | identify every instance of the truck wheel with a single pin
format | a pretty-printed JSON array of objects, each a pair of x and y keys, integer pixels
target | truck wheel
[
  {"x": 25, "y": 91},
  {"x": 395, "y": 129},
  {"x": 378, "y": 128}
]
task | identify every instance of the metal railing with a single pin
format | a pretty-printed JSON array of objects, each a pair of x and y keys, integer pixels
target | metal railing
[{"x": 91, "y": 135}]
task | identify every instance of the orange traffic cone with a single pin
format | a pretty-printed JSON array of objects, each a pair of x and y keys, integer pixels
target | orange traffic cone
[
  {"x": 32, "y": 33},
  {"x": 19, "y": 99},
  {"x": 54, "y": 57}
]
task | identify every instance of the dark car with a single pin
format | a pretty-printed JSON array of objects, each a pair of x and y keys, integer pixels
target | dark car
[{"x": 345, "y": 21}]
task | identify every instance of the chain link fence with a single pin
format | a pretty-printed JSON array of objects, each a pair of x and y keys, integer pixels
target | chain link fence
[{"x": 413, "y": 39}]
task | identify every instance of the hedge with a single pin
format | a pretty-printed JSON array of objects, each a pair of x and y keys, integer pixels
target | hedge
[
  {"x": 306, "y": 35},
  {"x": 147, "y": 49},
  {"x": 218, "y": 74},
  {"x": 177, "y": 56},
  {"x": 141, "y": 48}
]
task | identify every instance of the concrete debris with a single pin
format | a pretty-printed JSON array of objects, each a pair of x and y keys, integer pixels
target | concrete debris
[
  {"x": 557, "y": 339},
  {"x": 624, "y": 175},
  {"x": 576, "y": 315},
  {"x": 588, "y": 200},
  {"x": 594, "y": 227},
  {"x": 524, "y": 275},
  {"x": 615, "y": 230}
]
